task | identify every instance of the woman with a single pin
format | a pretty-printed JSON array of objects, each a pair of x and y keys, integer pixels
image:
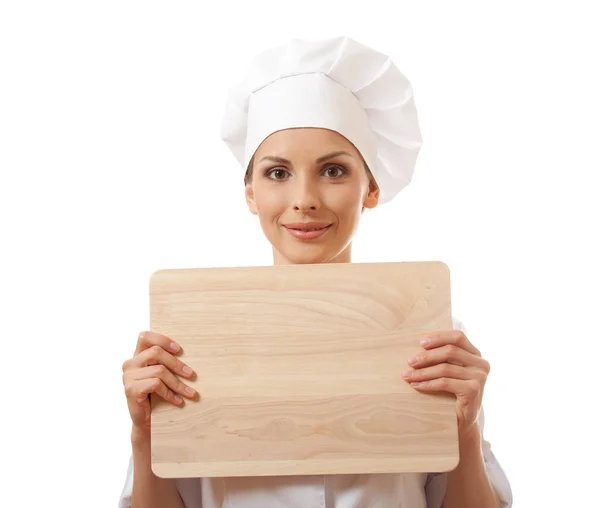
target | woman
[{"x": 325, "y": 130}]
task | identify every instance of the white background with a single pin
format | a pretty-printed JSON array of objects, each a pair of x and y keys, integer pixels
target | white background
[{"x": 112, "y": 167}]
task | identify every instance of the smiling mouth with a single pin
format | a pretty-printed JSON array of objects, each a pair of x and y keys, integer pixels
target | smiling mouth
[{"x": 308, "y": 231}]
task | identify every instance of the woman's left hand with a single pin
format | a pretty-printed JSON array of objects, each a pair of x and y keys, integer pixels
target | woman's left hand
[{"x": 450, "y": 363}]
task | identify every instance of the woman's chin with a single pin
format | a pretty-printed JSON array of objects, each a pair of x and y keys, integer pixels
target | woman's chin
[{"x": 308, "y": 256}]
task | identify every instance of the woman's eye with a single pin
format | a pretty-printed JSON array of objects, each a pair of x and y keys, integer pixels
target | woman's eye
[
  {"x": 277, "y": 174},
  {"x": 334, "y": 171}
]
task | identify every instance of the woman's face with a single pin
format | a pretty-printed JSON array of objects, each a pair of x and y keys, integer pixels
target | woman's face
[{"x": 308, "y": 188}]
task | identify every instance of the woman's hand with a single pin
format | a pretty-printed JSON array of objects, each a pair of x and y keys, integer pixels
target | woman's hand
[
  {"x": 152, "y": 370},
  {"x": 450, "y": 363}
]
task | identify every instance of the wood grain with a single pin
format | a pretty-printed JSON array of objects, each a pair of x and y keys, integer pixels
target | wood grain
[{"x": 299, "y": 370}]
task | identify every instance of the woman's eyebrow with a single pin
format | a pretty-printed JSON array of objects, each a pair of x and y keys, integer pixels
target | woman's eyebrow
[
  {"x": 323, "y": 158},
  {"x": 331, "y": 156},
  {"x": 274, "y": 158}
]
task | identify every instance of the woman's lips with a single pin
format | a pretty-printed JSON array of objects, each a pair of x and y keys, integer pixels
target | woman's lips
[{"x": 307, "y": 230}]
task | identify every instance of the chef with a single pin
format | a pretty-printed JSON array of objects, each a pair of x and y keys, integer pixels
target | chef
[{"x": 323, "y": 131}]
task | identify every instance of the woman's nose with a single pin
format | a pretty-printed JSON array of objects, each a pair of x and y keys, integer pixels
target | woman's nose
[{"x": 306, "y": 198}]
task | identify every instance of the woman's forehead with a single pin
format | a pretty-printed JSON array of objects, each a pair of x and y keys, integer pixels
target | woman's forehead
[{"x": 304, "y": 141}]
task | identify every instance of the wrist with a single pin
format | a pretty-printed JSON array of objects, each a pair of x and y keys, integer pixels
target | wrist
[
  {"x": 469, "y": 440},
  {"x": 140, "y": 437}
]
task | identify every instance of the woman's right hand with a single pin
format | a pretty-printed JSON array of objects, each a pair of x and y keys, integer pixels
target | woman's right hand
[{"x": 152, "y": 370}]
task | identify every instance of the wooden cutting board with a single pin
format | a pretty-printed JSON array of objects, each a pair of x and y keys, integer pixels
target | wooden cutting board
[{"x": 299, "y": 370}]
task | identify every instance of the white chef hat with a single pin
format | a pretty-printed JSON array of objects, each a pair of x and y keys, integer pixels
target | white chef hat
[{"x": 335, "y": 84}]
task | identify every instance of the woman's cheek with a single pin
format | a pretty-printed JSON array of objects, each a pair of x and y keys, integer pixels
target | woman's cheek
[
  {"x": 346, "y": 201},
  {"x": 265, "y": 201}
]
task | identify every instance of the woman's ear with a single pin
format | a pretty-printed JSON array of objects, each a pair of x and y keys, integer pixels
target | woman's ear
[
  {"x": 249, "y": 192},
  {"x": 372, "y": 198}
]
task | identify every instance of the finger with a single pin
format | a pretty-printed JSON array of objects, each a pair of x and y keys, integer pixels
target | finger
[
  {"x": 156, "y": 355},
  {"x": 461, "y": 388},
  {"x": 148, "y": 339},
  {"x": 166, "y": 376},
  {"x": 449, "y": 354},
  {"x": 140, "y": 389},
  {"x": 449, "y": 337},
  {"x": 442, "y": 370}
]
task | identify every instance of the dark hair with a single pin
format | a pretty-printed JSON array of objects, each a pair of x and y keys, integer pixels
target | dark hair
[{"x": 248, "y": 175}]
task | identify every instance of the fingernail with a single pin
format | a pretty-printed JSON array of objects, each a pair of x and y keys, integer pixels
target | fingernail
[
  {"x": 412, "y": 361},
  {"x": 415, "y": 384},
  {"x": 190, "y": 391},
  {"x": 408, "y": 374},
  {"x": 178, "y": 399},
  {"x": 426, "y": 341},
  {"x": 174, "y": 347},
  {"x": 187, "y": 370}
]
